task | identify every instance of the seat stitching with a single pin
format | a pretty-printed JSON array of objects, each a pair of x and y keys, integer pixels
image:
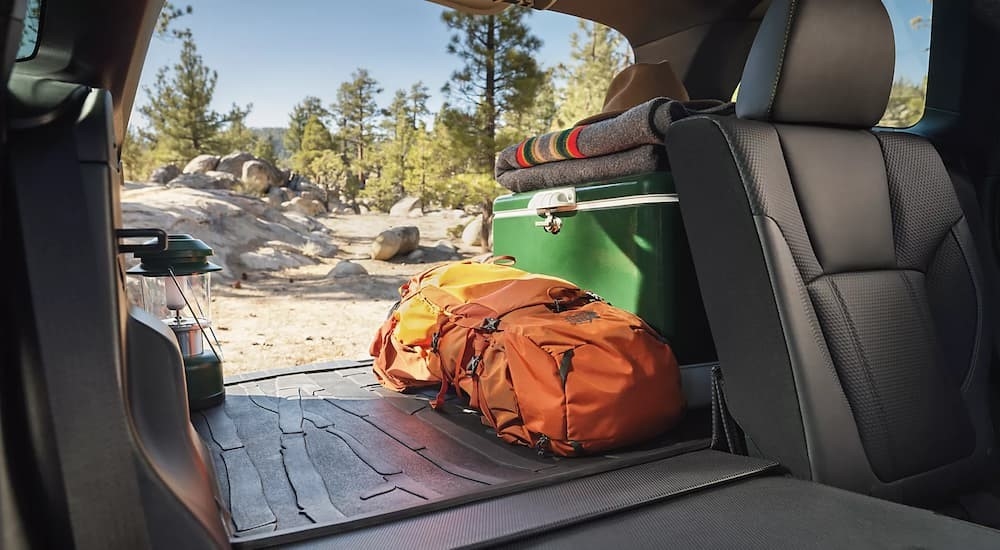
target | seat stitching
[
  {"x": 781, "y": 57},
  {"x": 863, "y": 359}
]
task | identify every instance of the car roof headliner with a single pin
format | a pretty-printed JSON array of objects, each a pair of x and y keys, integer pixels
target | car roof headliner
[
  {"x": 640, "y": 21},
  {"x": 645, "y": 21}
]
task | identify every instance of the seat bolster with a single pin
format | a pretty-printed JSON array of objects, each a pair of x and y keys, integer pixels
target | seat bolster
[
  {"x": 836, "y": 454},
  {"x": 975, "y": 386},
  {"x": 736, "y": 286}
]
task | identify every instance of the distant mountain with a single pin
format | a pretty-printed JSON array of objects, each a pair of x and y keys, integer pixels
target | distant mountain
[{"x": 276, "y": 135}]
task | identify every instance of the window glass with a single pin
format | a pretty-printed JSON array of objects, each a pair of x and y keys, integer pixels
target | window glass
[
  {"x": 911, "y": 25},
  {"x": 29, "y": 37}
]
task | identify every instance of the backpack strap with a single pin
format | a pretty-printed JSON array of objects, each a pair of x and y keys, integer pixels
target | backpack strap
[{"x": 519, "y": 294}]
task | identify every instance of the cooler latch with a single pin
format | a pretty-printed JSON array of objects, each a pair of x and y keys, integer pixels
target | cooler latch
[
  {"x": 551, "y": 223},
  {"x": 548, "y": 202}
]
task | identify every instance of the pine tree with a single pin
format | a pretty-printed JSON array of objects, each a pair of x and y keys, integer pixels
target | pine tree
[
  {"x": 357, "y": 113},
  {"x": 237, "y": 136},
  {"x": 136, "y": 158},
  {"x": 906, "y": 104},
  {"x": 316, "y": 136},
  {"x": 168, "y": 14},
  {"x": 319, "y": 161},
  {"x": 137, "y": 154},
  {"x": 598, "y": 54},
  {"x": 402, "y": 125},
  {"x": 306, "y": 109},
  {"x": 181, "y": 120},
  {"x": 29, "y": 36},
  {"x": 537, "y": 119},
  {"x": 264, "y": 149},
  {"x": 499, "y": 74}
]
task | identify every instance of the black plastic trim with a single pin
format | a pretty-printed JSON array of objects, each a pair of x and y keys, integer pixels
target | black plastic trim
[{"x": 532, "y": 510}]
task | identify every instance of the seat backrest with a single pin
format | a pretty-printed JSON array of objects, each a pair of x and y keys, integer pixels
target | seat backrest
[{"x": 841, "y": 280}]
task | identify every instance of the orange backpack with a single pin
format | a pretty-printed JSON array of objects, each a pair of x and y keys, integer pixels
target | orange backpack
[{"x": 547, "y": 364}]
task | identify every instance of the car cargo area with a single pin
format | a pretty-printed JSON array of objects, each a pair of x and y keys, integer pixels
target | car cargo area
[{"x": 326, "y": 444}]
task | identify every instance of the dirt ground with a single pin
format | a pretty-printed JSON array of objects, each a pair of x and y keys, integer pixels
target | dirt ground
[{"x": 302, "y": 316}]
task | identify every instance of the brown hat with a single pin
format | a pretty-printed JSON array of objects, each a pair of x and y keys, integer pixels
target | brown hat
[{"x": 636, "y": 85}]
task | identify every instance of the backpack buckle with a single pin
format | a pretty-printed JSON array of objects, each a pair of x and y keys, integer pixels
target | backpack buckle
[
  {"x": 491, "y": 324},
  {"x": 473, "y": 365}
]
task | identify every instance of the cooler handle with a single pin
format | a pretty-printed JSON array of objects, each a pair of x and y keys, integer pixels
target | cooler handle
[{"x": 563, "y": 198}]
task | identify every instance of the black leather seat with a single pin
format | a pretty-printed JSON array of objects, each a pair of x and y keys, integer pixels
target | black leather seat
[{"x": 840, "y": 275}]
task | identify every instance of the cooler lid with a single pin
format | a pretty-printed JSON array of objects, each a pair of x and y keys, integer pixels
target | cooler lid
[{"x": 656, "y": 187}]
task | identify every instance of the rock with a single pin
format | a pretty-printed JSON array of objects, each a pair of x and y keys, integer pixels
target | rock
[
  {"x": 455, "y": 231},
  {"x": 320, "y": 248},
  {"x": 306, "y": 223},
  {"x": 318, "y": 192},
  {"x": 415, "y": 214},
  {"x": 347, "y": 268},
  {"x": 415, "y": 256},
  {"x": 362, "y": 209},
  {"x": 307, "y": 195},
  {"x": 199, "y": 181},
  {"x": 233, "y": 163},
  {"x": 202, "y": 164},
  {"x": 398, "y": 240},
  {"x": 472, "y": 235},
  {"x": 277, "y": 195},
  {"x": 406, "y": 206},
  {"x": 259, "y": 176},
  {"x": 307, "y": 207},
  {"x": 165, "y": 173},
  {"x": 232, "y": 224},
  {"x": 445, "y": 246},
  {"x": 386, "y": 245},
  {"x": 271, "y": 258},
  {"x": 225, "y": 179}
]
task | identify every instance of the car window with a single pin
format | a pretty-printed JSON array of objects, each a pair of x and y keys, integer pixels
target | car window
[
  {"x": 29, "y": 36},
  {"x": 911, "y": 25}
]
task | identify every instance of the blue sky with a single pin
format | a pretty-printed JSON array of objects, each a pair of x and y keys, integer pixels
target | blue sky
[{"x": 273, "y": 54}]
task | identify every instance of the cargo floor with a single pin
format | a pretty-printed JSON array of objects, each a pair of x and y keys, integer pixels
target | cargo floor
[{"x": 326, "y": 444}]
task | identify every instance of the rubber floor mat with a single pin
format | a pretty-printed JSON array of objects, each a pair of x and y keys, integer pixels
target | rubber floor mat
[{"x": 325, "y": 443}]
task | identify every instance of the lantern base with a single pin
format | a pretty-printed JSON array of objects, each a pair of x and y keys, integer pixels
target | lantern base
[{"x": 205, "y": 386}]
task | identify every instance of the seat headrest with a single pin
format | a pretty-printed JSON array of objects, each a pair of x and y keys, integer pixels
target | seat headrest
[{"x": 824, "y": 62}]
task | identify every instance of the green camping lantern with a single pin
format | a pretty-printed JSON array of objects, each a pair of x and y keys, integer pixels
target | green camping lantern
[{"x": 175, "y": 286}]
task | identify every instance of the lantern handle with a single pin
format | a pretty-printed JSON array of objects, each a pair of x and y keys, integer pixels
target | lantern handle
[
  {"x": 158, "y": 246},
  {"x": 197, "y": 317}
]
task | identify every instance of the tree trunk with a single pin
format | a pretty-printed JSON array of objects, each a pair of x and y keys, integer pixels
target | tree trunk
[
  {"x": 491, "y": 126},
  {"x": 490, "y": 99}
]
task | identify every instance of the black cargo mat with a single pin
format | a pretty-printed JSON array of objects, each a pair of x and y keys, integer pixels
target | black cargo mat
[{"x": 325, "y": 443}]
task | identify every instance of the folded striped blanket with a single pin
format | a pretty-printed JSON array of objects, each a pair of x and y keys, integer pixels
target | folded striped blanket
[
  {"x": 637, "y": 160},
  {"x": 643, "y": 125}
]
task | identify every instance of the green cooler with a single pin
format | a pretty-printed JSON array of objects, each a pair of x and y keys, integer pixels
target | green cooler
[{"x": 622, "y": 240}]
